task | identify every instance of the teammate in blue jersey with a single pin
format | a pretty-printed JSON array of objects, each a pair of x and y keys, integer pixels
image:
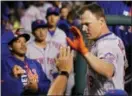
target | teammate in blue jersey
[{"x": 20, "y": 75}]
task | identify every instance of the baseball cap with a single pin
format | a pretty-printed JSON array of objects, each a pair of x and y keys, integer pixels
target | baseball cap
[
  {"x": 17, "y": 36},
  {"x": 38, "y": 24},
  {"x": 53, "y": 10},
  {"x": 116, "y": 92}
]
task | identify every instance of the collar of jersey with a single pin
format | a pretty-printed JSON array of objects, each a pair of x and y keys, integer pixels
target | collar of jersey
[
  {"x": 54, "y": 33},
  {"x": 104, "y": 36},
  {"x": 19, "y": 62}
]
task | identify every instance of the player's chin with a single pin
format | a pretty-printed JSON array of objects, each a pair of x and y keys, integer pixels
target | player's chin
[
  {"x": 41, "y": 39},
  {"x": 89, "y": 37},
  {"x": 22, "y": 53}
]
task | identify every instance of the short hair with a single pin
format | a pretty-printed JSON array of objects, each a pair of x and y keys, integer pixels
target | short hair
[
  {"x": 94, "y": 9},
  {"x": 64, "y": 6}
]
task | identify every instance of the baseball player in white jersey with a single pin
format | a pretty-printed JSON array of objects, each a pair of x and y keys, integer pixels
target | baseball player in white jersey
[
  {"x": 47, "y": 54},
  {"x": 110, "y": 49},
  {"x": 55, "y": 39},
  {"x": 106, "y": 58}
]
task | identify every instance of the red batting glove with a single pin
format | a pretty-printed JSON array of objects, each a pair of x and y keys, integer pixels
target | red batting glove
[{"x": 77, "y": 43}]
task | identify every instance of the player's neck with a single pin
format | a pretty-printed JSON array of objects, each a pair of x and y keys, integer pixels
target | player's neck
[
  {"x": 41, "y": 44},
  {"x": 22, "y": 57},
  {"x": 104, "y": 30},
  {"x": 52, "y": 29}
]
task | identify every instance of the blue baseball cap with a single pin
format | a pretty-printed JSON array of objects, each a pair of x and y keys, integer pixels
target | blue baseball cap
[
  {"x": 38, "y": 24},
  {"x": 116, "y": 92},
  {"x": 53, "y": 10},
  {"x": 17, "y": 36}
]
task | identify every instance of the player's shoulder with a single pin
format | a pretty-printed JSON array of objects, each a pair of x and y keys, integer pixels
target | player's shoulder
[
  {"x": 30, "y": 45},
  {"x": 111, "y": 37},
  {"x": 110, "y": 40},
  {"x": 60, "y": 32}
]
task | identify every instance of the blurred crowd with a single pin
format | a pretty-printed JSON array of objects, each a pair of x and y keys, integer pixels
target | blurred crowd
[{"x": 21, "y": 14}]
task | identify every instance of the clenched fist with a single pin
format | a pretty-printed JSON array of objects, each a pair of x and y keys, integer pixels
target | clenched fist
[{"x": 17, "y": 71}]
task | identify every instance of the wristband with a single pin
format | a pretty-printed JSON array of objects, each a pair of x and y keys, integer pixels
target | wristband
[{"x": 65, "y": 73}]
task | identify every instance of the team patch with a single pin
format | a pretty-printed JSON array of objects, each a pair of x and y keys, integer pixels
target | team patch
[{"x": 109, "y": 57}]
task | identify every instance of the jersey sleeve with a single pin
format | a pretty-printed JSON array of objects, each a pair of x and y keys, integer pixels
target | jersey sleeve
[
  {"x": 10, "y": 85},
  {"x": 107, "y": 52}
]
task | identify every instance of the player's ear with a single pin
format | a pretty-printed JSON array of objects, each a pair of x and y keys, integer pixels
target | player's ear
[
  {"x": 10, "y": 48},
  {"x": 58, "y": 18},
  {"x": 101, "y": 20}
]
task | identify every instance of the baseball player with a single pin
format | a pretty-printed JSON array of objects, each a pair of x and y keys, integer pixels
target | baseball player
[
  {"x": 46, "y": 55},
  {"x": 37, "y": 49},
  {"x": 55, "y": 39},
  {"x": 21, "y": 75},
  {"x": 106, "y": 59}
]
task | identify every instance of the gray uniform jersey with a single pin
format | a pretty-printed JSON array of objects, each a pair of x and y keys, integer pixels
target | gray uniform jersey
[
  {"x": 111, "y": 49},
  {"x": 46, "y": 57}
]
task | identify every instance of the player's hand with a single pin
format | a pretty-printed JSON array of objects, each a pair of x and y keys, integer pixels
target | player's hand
[
  {"x": 77, "y": 43},
  {"x": 17, "y": 71},
  {"x": 32, "y": 81},
  {"x": 65, "y": 60}
]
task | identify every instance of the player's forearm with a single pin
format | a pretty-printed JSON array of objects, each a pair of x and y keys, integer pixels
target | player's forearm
[
  {"x": 100, "y": 66},
  {"x": 58, "y": 86}
]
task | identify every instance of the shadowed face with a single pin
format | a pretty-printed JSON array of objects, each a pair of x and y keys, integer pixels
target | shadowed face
[
  {"x": 64, "y": 13},
  {"x": 40, "y": 34},
  {"x": 19, "y": 46},
  {"x": 91, "y": 25},
  {"x": 52, "y": 20}
]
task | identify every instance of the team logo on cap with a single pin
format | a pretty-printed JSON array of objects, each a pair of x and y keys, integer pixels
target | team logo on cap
[
  {"x": 53, "y": 9},
  {"x": 38, "y": 21}
]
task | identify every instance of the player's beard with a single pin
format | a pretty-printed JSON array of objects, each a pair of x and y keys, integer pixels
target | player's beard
[
  {"x": 50, "y": 26},
  {"x": 18, "y": 54},
  {"x": 40, "y": 40}
]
